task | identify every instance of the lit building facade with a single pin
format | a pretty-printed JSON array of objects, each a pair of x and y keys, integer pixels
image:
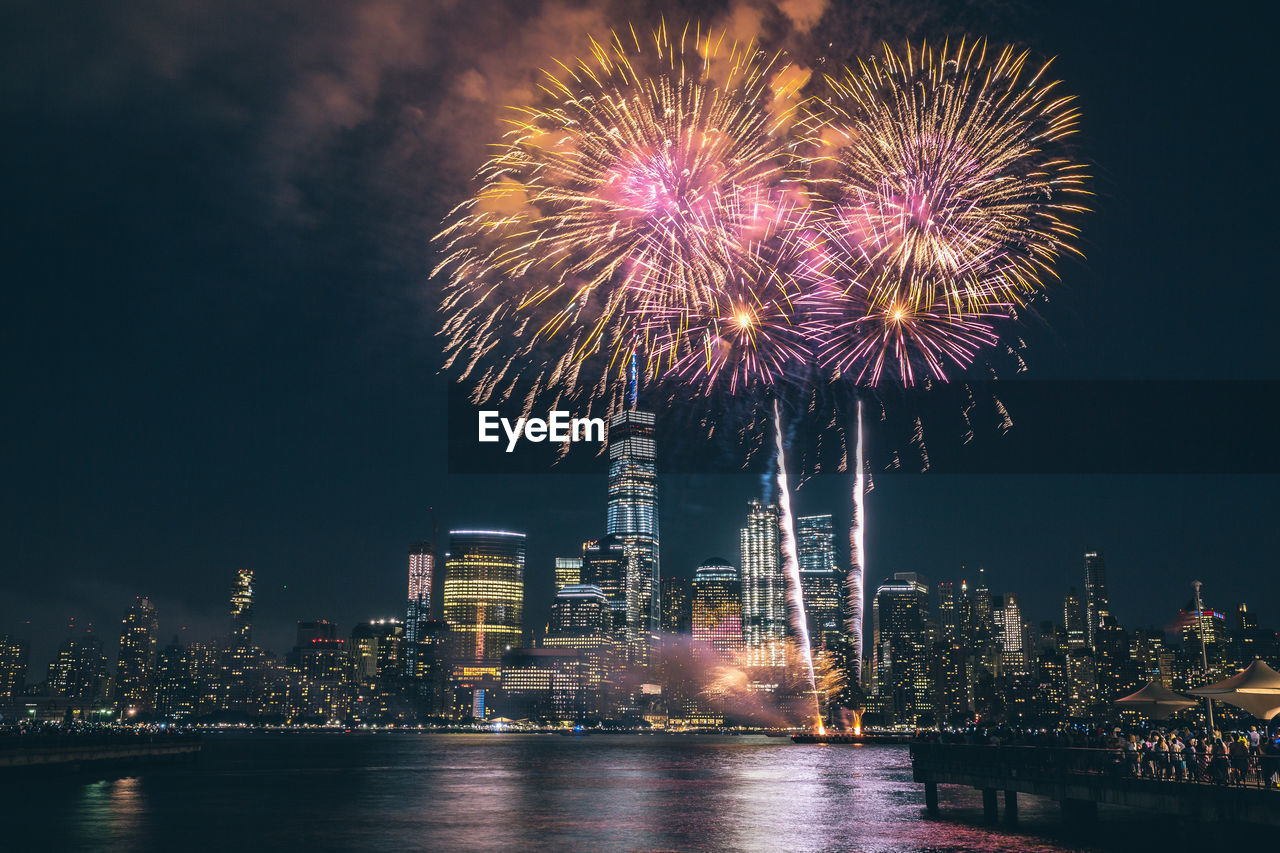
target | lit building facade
[
  {"x": 717, "y": 608},
  {"x": 676, "y": 605},
  {"x": 1012, "y": 654},
  {"x": 606, "y": 564},
  {"x": 633, "y": 519},
  {"x": 901, "y": 646},
  {"x": 241, "y": 674},
  {"x": 242, "y": 609},
  {"x": 582, "y": 620},
  {"x": 821, "y": 582},
  {"x": 135, "y": 668},
  {"x": 483, "y": 598},
  {"x": 13, "y": 666},
  {"x": 568, "y": 571},
  {"x": 1097, "y": 601},
  {"x": 764, "y": 615},
  {"x": 1074, "y": 620},
  {"x": 422, "y": 566}
]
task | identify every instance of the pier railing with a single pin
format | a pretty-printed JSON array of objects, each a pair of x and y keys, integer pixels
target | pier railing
[
  {"x": 1110, "y": 763},
  {"x": 1081, "y": 778}
]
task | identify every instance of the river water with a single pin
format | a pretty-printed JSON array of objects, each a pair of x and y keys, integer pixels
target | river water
[{"x": 401, "y": 791}]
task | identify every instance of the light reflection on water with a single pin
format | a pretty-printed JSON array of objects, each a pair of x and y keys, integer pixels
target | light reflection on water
[{"x": 525, "y": 792}]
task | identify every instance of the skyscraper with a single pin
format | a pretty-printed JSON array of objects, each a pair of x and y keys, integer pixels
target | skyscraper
[
  {"x": 79, "y": 671},
  {"x": 633, "y": 518},
  {"x": 902, "y": 642},
  {"x": 135, "y": 669},
  {"x": 606, "y": 564},
  {"x": 821, "y": 582},
  {"x": 242, "y": 609},
  {"x": 568, "y": 571},
  {"x": 582, "y": 620},
  {"x": 422, "y": 565},
  {"x": 483, "y": 598},
  {"x": 764, "y": 614},
  {"x": 676, "y": 603},
  {"x": 717, "y": 607},
  {"x": 240, "y": 671},
  {"x": 1073, "y": 620},
  {"x": 1097, "y": 604},
  {"x": 948, "y": 610},
  {"x": 13, "y": 666},
  {"x": 177, "y": 691},
  {"x": 1012, "y": 654}
]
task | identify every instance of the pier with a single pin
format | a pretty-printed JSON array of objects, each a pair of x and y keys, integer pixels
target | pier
[
  {"x": 72, "y": 753},
  {"x": 1080, "y": 779}
]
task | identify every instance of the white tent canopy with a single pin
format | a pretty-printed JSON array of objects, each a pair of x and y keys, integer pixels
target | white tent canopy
[
  {"x": 1155, "y": 700},
  {"x": 1256, "y": 689}
]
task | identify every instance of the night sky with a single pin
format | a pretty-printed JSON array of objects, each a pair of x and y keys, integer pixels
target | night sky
[{"x": 218, "y": 324}]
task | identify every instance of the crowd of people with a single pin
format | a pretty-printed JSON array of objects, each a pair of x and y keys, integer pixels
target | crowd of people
[{"x": 1185, "y": 754}]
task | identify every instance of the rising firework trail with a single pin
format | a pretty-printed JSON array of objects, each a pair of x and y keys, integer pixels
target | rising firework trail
[
  {"x": 857, "y": 554},
  {"x": 791, "y": 570}
]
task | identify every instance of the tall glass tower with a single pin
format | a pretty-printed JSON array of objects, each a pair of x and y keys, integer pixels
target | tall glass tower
[
  {"x": 764, "y": 610},
  {"x": 483, "y": 598},
  {"x": 422, "y": 566},
  {"x": 633, "y": 519},
  {"x": 821, "y": 583}
]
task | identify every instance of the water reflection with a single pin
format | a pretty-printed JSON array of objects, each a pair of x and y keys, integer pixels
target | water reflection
[{"x": 484, "y": 792}]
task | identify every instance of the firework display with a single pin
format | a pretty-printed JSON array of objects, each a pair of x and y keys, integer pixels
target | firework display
[
  {"x": 673, "y": 200},
  {"x": 628, "y": 214}
]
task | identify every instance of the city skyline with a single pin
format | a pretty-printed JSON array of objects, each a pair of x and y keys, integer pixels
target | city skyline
[
  {"x": 241, "y": 370},
  {"x": 1153, "y": 605}
]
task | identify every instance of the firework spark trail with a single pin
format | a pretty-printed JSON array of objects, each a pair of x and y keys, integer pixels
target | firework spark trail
[
  {"x": 951, "y": 175},
  {"x": 857, "y": 555},
  {"x": 791, "y": 569}
]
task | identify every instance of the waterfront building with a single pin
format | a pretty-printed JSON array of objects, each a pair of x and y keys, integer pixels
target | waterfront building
[
  {"x": 79, "y": 671},
  {"x": 13, "y": 666},
  {"x": 764, "y": 615},
  {"x": 422, "y": 565},
  {"x": 483, "y": 598},
  {"x": 821, "y": 581},
  {"x": 901, "y": 645},
  {"x": 632, "y": 518},
  {"x": 135, "y": 667},
  {"x": 177, "y": 694},
  {"x": 241, "y": 673},
  {"x": 716, "y": 608},
  {"x": 582, "y": 620},
  {"x": 547, "y": 684}
]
